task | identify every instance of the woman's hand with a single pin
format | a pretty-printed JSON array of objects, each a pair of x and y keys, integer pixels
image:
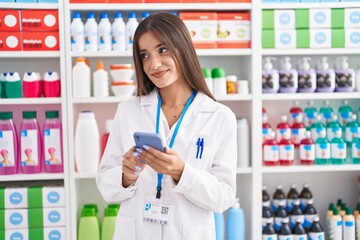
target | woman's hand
[
  {"x": 131, "y": 167},
  {"x": 167, "y": 163}
]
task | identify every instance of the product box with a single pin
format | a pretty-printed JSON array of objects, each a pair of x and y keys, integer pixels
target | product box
[
  {"x": 26, "y": 1},
  {"x": 13, "y": 218},
  {"x": 268, "y": 38},
  {"x": 46, "y": 217},
  {"x": 161, "y": 1},
  {"x": 320, "y": 38},
  {"x": 125, "y": 1},
  {"x": 302, "y": 18},
  {"x": 198, "y": 1},
  {"x": 53, "y": 233},
  {"x": 39, "y": 20},
  {"x": 234, "y": 1},
  {"x": 285, "y": 38},
  {"x": 40, "y": 41},
  {"x": 310, "y": 1},
  {"x": 47, "y": 1},
  {"x": 234, "y": 30},
  {"x": 284, "y": 19},
  {"x": 11, "y": 198},
  {"x": 87, "y": 1},
  {"x": 352, "y": 38},
  {"x": 320, "y": 18},
  {"x": 337, "y": 18},
  {"x": 352, "y": 18},
  {"x": 39, "y": 197},
  {"x": 268, "y": 19},
  {"x": 10, "y": 41},
  {"x": 202, "y": 27},
  {"x": 337, "y": 38},
  {"x": 10, "y": 21},
  {"x": 7, "y": 1},
  {"x": 302, "y": 38}
]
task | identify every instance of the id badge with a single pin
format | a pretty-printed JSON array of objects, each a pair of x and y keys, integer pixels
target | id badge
[{"x": 157, "y": 210}]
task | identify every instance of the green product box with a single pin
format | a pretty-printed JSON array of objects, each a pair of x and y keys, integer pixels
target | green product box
[
  {"x": 2, "y": 198},
  {"x": 302, "y": 19},
  {"x": 35, "y": 199},
  {"x": 268, "y": 38},
  {"x": 268, "y": 19},
  {"x": 337, "y": 18},
  {"x": 35, "y": 217},
  {"x": 337, "y": 38},
  {"x": 302, "y": 38}
]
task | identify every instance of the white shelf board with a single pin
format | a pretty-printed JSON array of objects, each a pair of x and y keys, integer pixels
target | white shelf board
[
  {"x": 30, "y": 54},
  {"x": 234, "y": 97},
  {"x": 32, "y": 177},
  {"x": 247, "y": 170},
  {"x": 102, "y": 54},
  {"x": 162, "y": 6},
  {"x": 310, "y": 51},
  {"x": 309, "y": 96},
  {"x": 94, "y": 100},
  {"x": 309, "y": 5},
  {"x": 27, "y": 101},
  {"x": 313, "y": 168},
  {"x": 16, "y": 5},
  {"x": 85, "y": 175}
]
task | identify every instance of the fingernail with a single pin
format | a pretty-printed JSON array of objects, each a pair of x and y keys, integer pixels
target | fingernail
[
  {"x": 139, "y": 150},
  {"x": 146, "y": 147},
  {"x": 137, "y": 168},
  {"x": 137, "y": 173},
  {"x": 135, "y": 154},
  {"x": 142, "y": 161}
]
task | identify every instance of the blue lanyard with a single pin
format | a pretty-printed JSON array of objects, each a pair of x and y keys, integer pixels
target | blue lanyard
[{"x": 189, "y": 101}]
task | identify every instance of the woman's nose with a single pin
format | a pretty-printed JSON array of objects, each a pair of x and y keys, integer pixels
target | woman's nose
[{"x": 155, "y": 62}]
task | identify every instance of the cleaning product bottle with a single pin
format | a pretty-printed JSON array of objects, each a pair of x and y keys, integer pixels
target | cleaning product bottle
[
  {"x": 131, "y": 26},
  {"x": 77, "y": 30},
  {"x": 296, "y": 214},
  {"x": 338, "y": 150},
  {"x": 89, "y": 228},
  {"x": 283, "y": 130},
  {"x": 219, "y": 225},
  {"x": 288, "y": 77},
  {"x": 91, "y": 33},
  {"x": 286, "y": 152},
  {"x": 118, "y": 33},
  {"x": 279, "y": 197},
  {"x": 310, "y": 114},
  {"x": 268, "y": 232},
  {"x": 30, "y": 143},
  {"x": 355, "y": 149},
  {"x": 270, "y": 77},
  {"x": 351, "y": 130},
  {"x": 309, "y": 213},
  {"x": 31, "y": 85},
  {"x": 271, "y": 151},
  {"x": 104, "y": 33},
  {"x": 285, "y": 232},
  {"x": 53, "y": 151},
  {"x": 305, "y": 196},
  {"x": 332, "y": 127},
  {"x": 307, "y": 150},
  {"x": 81, "y": 79},
  {"x": 348, "y": 225},
  {"x": 306, "y": 76},
  {"x": 299, "y": 231},
  {"x": 345, "y": 113},
  {"x": 329, "y": 214},
  {"x": 265, "y": 195},
  {"x": 13, "y": 87},
  {"x": 298, "y": 128},
  {"x": 9, "y": 160},
  {"x": 326, "y": 112},
  {"x": 344, "y": 76},
  {"x": 105, "y": 137},
  {"x": 335, "y": 223},
  {"x": 316, "y": 230},
  {"x": 316, "y": 128},
  {"x": 266, "y": 129},
  {"x": 322, "y": 150},
  {"x": 208, "y": 79},
  {"x": 295, "y": 112},
  {"x": 101, "y": 81},
  {"x": 52, "y": 84},
  {"x": 291, "y": 197},
  {"x": 325, "y": 77},
  {"x": 2, "y": 83},
  {"x": 108, "y": 224},
  {"x": 267, "y": 214},
  {"x": 280, "y": 216},
  {"x": 235, "y": 222}
]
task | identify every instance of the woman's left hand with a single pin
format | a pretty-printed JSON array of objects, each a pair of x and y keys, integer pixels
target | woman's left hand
[{"x": 168, "y": 162}]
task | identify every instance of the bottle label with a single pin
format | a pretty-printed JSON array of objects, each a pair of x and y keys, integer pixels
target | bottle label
[
  {"x": 7, "y": 149},
  {"x": 284, "y": 133},
  {"x": 338, "y": 150},
  {"x": 266, "y": 132},
  {"x": 271, "y": 153},
  {"x": 286, "y": 152},
  {"x": 293, "y": 219},
  {"x": 310, "y": 118},
  {"x": 77, "y": 39},
  {"x": 286, "y": 237},
  {"x": 297, "y": 135},
  {"x": 317, "y": 236},
  {"x": 331, "y": 132},
  {"x": 356, "y": 150},
  {"x": 269, "y": 237},
  {"x": 348, "y": 229},
  {"x": 350, "y": 133},
  {"x": 289, "y": 204},
  {"x": 327, "y": 116},
  {"x": 301, "y": 237},
  {"x": 309, "y": 220},
  {"x": 307, "y": 152},
  {"x": 335, "y": 229},
  {"x": 52, "y": 147},
  {"x": 322, "y": 151},
  {"x": 29, "y": 148}
]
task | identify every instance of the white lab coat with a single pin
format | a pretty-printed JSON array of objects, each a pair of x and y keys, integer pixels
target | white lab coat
[{"x": 206, "y": 185}]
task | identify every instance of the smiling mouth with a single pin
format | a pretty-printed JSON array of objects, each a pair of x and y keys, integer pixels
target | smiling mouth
[{"x": 159, "y": 73}]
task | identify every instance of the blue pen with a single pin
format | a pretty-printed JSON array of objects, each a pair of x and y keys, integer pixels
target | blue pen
[
  {"x": 198, "y": 148},
  {"x": 202, "y": 147}
]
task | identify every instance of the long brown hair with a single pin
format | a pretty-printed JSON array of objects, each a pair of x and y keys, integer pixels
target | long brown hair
[{"x": 172, "y": 32}]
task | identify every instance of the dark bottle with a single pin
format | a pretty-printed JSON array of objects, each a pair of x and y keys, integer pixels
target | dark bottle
[
  {"x": 265, "y": 195},
  {"x": 296, "y": 213},
  {"x": 291, "y": 197},
  {"x": 269, "y": 232},
  {"x": 316, "y": 231},
  {"x": 280, "y": 216},
  {"x": 285, "y": 232},
  {"x": 267, "y": 214},
  {"x": 305, "y": 195},
  {"x": 278, "y": 197},
  {"x": 310, "y": 213},
  {"x": 299, "y": 231}
]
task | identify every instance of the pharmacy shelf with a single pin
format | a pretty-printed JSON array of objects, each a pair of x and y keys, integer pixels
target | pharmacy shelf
[
  {"x": 16, "y": 5},
  {"x": 85, "y": 175},
  {"x": 234, "y": 97},
  {"x": 241, "y": 171},
  {"x": 30, "y": 54},
  {"x": 310, "y": 5},
  {"x": 94, "y": 100},
  {"x": 28, "y": 101},
  {"x": 162, "y": 6},
  {"x": 309, "y": 96},
  {"x": 31, "y": 177},
  {"x": 312, "y": 169},
  {"x": 309, "y": 51}
]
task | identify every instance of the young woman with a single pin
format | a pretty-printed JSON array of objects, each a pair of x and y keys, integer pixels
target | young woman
[{"x": 170, "y": 194}]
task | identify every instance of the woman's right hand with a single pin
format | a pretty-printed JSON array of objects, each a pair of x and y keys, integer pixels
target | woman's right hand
[{"x": 131, "y": 167}]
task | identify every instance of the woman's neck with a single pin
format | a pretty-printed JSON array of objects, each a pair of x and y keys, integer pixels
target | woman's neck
[{"x": 175, "y": 95}]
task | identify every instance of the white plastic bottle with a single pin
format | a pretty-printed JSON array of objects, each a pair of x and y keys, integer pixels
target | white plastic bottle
[
  {"x": 101, "y": 81},
  {"x": 306, "y": 76},
  {"x": 288, "y": 77},
  {"x": 270, "y": 77},
  {"x": 81, "y": 79},
  {"x": 118, "y": 33},
  {"x": 91, "y": 33},
  {"x": 131, "y": 26},
  {"x": 243, "y": 143},
  {"x": 345, "y": 77},
  {"x": 104, "y": 36},
  {"x": 325, "y": 77},
  {"x": 77, "y": 33}
]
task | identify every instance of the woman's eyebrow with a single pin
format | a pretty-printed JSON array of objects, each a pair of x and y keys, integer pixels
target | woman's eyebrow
[{"x": 157, "y": 46}]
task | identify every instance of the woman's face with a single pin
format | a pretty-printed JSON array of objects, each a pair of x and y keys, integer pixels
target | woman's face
[{"x": 158, "y": 63}]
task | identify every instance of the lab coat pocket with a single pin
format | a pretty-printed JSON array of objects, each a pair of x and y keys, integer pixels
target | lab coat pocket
[
  {"x": 199, "y": 152},
  {"x": 198, "y": 231},
  {"x": 125, "y": 228}
]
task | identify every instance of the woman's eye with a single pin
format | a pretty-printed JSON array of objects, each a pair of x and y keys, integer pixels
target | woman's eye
[
  {"x": 144, "y": 55},
  {"x": 163, "y": 50}
]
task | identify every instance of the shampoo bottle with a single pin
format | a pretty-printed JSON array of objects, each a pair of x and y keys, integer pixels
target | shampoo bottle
[
  {"x": 131, "y": 26},
  {"x": 292, "y": 196},
  {"x": 355, "y": 149},
  {"x": 306, "y": 76},
  {"x": 81, "y": 79},
  {"x": 316, "y": 128},
  {"x": 89, "y": 228},
  {"x": 118, "y": 33},
  {"x": 279, "y": 198},
  {"x": 104, "y": 33},
  {"x": 31, "y": 85},
  {"x": 335, "y": 225},
  {"x": 91, "y": 33},
  {"x": 351, "y": 130},
  {"x": 9, "y": 161},
  {"x": 270, "y": 77},
  {"x": 13, "y": 87},
  {"x": 266, "y": 129},
  {"x": 108, "y": 224},
  {"x": 305, "y": 196},
  {"x": 285, "y": 232},
  {"x": 299, "y": 231},
  {"x": 283, "y": 130},
  {"x": 345, "y": 112},
  {"x": 235, "y": 222},
  {"x": 345, "y": 77},
  {"x": 101, "y": 81},
  {"x": 77, "y": 33},
  {"x": 348, "y": 225},
  {"x": 288, "y": 77},
  {"x": 325, "y": 77}
]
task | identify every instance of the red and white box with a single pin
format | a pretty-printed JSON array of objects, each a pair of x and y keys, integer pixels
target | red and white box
[
  {"x": 10, "y": 21},
  {"x": 40, "y": 41},
  {"x": 10, "y": 41},
  {"x": 39, "y": 20}
]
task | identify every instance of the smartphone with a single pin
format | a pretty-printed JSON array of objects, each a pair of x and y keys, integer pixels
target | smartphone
[{"x": 150, "y": 139}]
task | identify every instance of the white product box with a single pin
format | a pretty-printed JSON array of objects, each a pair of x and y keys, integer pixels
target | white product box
[
  {"x": 352, "y": 38},
  {"x": 15, "y": 198},
  {"x": 285, "y": 38},
  {"x": 52, "y": 233},
  {"x": 53, "y": 197},
  {"x": 284, "y": 19},
  {"x": 320, "y": 18},
  {"x": 54, "y": 217},
  {"x": 320, "y": 38},
  {"x": 15, "y": 218},
  {"x": 352, "y": 18},
  {"x": 12, "y": 234}
]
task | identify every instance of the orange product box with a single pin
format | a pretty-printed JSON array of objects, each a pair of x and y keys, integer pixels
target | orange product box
[
  {"x": 10, "y": 41},
  {"x": 39, "y": 20},
  {"x": 125, "y": 1},
  {"x": 10, "y": 21},
  {"x": 234, "y": 1},
  {"x": 87, "y": 1},
  {"x": 198, "y": 1},
  {"x": 202, "y": 28},
  {"x": 234, "y": 30},
  {"x": 162, "y": 1},
  {"x": 40, "y": 41}
]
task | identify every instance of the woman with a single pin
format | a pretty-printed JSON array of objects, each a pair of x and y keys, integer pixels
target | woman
[{"x": 170, "y": 194}]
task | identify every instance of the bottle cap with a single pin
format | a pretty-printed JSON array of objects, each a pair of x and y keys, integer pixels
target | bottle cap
[
  {"x": 335, "y": 211},
  {"x": 76, "y": 15},
  {"x": 299, "y": 220},
  {"x": 348, "y": 211},
  {"x": 343, "y": 63},
  {"x": 100, "y": 65},
  {"x": 285, "y": 220},
  {"x": 310, "y": 102},
  {"x": 280, "y": 187},
  {"x": 92, "y": 206},
  {"x": 90, "y": 15},
  {"x": 114, "y": 205},
  {"x": 331, "y": 206},
  {"x": 264, "y": 187},
  {"x": 104, "y": 15},
  {"x": 80, "y": 60},
  {"x": 110, "y": 212},
  {"x": 207, "y": 72},
  {"x": 231, "y": 78},
  {"x": 218, "y": 73},
  {"x": 29, "y": 114},
  {"x": 308, "y": 134},
  {"x": 316, "y": 219},
  {"x": 306, "y": 185},
  {"x": 132, "y": 15},
  {"x": 88, "y": 212},
  {"x": 297, "y": 202},
  {"x": 236, "y": 203},
  {"x": 268, "y": 64},
  {"x": 145, "y": 15},
  {"x": 283, "y": 118},
  {"x": 345, "y": 102},
  {"x": 52, "y": 114},
  {"x": 5, "y": 115},
  {"x": 117, "y": 15},
  {"x": 293, "y": 186}
]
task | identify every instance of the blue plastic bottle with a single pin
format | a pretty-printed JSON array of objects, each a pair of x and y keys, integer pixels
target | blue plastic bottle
[
  {"x": 219, "y": 226},
  {"x": 235, "y": 222}
]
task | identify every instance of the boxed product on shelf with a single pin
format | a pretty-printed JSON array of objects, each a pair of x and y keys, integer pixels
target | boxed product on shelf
[
  {"x": 26, "y": 1},
  {"x": 11, "y": 198},
  {"x": 235, "y": 1},
  {"x": 7, "y": 0},
  {"x": 10, "y": 41},
  {"x": 320, "y": 38},
  {"x": 48, "y": 233},
  {"x": 320, "y": 18},
  {"x": 162, "y": 1},
  {"x": 285, "y": 38},
  {"x": 197, "y": 1},
  {"x": 13, "y": 218},
  {"x": 39, "y": 20},
  {"x": 40, "y": 41},
  {"x": 87, "y": 1},
  {"x": 352, "y": 38},
  {"x": 278, "y": 19},
  {"x": 46, "y": 197},
  {"x": 352, "y": 18},
  {"x": 338, "y": 38},
  {"x": 9, "y": 21}
]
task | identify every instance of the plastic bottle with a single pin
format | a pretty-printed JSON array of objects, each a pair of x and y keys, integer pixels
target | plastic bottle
[
  {"x": 335, "y": 225},
  {"x": 298, "y": 128},
  {"x": 329, "y": 213},
  {"x": 316, "y": 230},
  {"x": 31, "y": 85},
  {"x": 295, "y": 112},
  {"x": 285, "y": 232},
  {"x": 108, "y": 224},
  {"x": 291, "y": 197},
  {"x": 219, "y": 226},
  {"x": 351, "y": 130},
  {"x": 268, "y": 232},
  {"x": 243, "y": 143},
  {"x": 332, "y": 127},
  {"x": 338, "y": 150},
  {"x": 345, "y": 113},
  {"x": 131, "y": 26},
  {"x": 305, "y": 195},
  {"x": 299, "y": 231},
  {"x": 286, "y": 152},
  {"x": 270, "y": 77},
  {"x": 357, "y": 79},
  {"x": 326, "y": 112},
  {"x": 271, "y": 151},
  {"x": 53, "y": 151},
  {"x": 77, "y": 33},
  {"x": 306, "y": 76},
  {"x": 9, "y": 158},
  {"x": 144, "y": 15},
  {"x": 307, "y": 150},
  {"x": 355, "y": 149},
  {"x": 231, "y": 84},
  {"x": 101, "y": 81},
  {"x": 266, "y": 129},
  {"x": 309, "y": 213},
  {"x": 344, "y": 76},
  {"x": 325, "y": 77},
  {"x": 52, "y": 84},
  {"x": 2, "y": 83},
  {"x": 310, "y": 114},
  {"x": 296, "y": 214},
  {"x": 208, "y": 79},
  {"x": 81, "y": 79},
  {"x": 267, "y": 214},
  {"x": 104, "y": 33},
  {"x": 322, "y": 150},
  {"x": 105, "y": 137},
  {"x": 342, "y": 210},
  {"x": 219, "y": 80},
  {"x": 13, "y": 87},
  {"x": 118, "y": 33},
  {"x": 265, "y": 195},
  {"x": 279, "y": 197},
  {"x": 91, "y": 33},
  {"x": 348, "y": 225},
  {"x": 288, "y": 77},
  {"x": 88, "y": 226},
  {"x": 235, "y": 222},
  {"x": 94, "y": 206},
  {"x": 87, "y": 143},
  {"x": 280, "y": 216},
  {"x": 316, "y": 128},
  {"x": 283, "y": 130},
  {"x": 30, "y": 144}
]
